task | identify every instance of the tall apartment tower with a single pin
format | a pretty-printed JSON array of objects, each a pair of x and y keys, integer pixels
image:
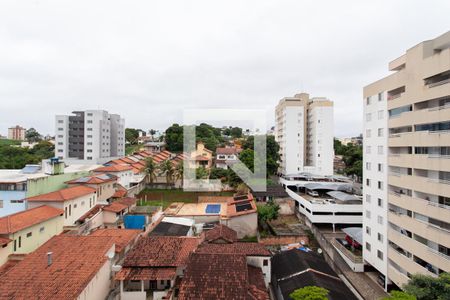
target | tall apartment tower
[
  {"x": 304, "y": 131},
  {"x": 406, "y": 167},
  {"x": 91, "y": 135}
]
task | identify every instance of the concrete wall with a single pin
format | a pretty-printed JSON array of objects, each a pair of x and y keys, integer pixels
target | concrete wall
[
  {"x": 245, "y": 225},
  {"x": 48, "y": 184},
  {"x": 258, "y": 261},
  {"x": 5, "y": 252},
  {"x": 8, "y": 207},
  {"x": 99, "y": 286},
  {"x": 40, "y": 233}
]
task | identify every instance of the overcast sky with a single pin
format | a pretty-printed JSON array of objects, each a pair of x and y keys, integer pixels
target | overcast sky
[{"x": 149, "y": 60}]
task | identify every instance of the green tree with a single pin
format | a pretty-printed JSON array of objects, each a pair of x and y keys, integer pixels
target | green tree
[
  {"x": 166, "y": 168},
  {"x": 43, "y": 150},
  {"x": 151, "y": 168},
  {"x": 174, "y": 138},
  {"x": 32, "y": 136},
  {"x": 272, "y": 152},
  {"x": 399, "y": 295},
  {"x": 310, "y": 293},
  {"x": 268, "y": 211},
  {"x": 152, "y": 133},
  {"x": 201, "y": 173},
  {"x": 131, "y": 136},
  {"x": 218, "y": 173},
  {"x": 236, "y": 132},
  {"x": 247, "y": 157},
  {"x": 179, "y": 171},
  {"x": 425, "y": 287}
]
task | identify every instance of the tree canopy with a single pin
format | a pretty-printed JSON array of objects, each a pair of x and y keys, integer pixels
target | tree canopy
[
  {"x": 425, "y": 287},
  {"x": 310, "y": 293},
  {"x": 32, "y": 136},
  {"x": 131, "y": 136},
  {"x": 352, "y": 156},
  {"x": 15, "y": 157}
]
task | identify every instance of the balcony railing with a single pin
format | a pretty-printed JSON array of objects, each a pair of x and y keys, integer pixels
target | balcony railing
[
  {"x": 392, "y": 97},
  {"x": 434, "y": 84}
]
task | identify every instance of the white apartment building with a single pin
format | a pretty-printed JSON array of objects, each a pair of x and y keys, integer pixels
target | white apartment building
[
  {"x": 304, "y": 130},
  {"x": 406, "y": 166},
  {"x": 91, "y": 135}
]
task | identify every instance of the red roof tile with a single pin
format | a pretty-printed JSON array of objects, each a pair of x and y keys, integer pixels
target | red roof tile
[
  {"x": 27, "y": 218},
  {"x": 215, "y": 276},
  {"x": 119, "y": 193},
  {"x": 161, "y": 251},
  {"x": 121, "y": 237},
  {"x": 115, "y": 207},
  {"x": 76, "y": 260},
  {"x": 69, "y": 193},
  {"x": 146, "y": 274},
  {"x": 227, "y": 150},
  {"x": 221, "y": 232},
  {"x": 92, "y": 212},
  {"x": 249, "y": 249},
  {"x": 113, "y": 168},
  {"x": 128, "y": 201},
  {"x": 4, "y": 241}
]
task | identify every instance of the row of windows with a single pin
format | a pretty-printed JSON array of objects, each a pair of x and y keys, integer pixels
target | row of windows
[
  {"x": 18, "y": 241},
  {"x": 379, "y": 148},
  {"x": 369, "y": 166},
  {"x": 380, "y": 132},
  {"x": 380, "y": 254},
  {"x": 380, "y": 184},
  {"x": 379, "y": 97}
]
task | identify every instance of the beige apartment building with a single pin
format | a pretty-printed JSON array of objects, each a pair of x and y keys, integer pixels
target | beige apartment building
[
  {"x": 407, "y": 166},
  {"x": 304, "y": 129},
  {"x": 16, "y": 133}
]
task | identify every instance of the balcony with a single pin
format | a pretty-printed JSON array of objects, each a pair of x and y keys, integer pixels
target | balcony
[
  {"x": 396, "y": 276},
  {"x": 437, "y": 114},
  {"x": 432, "y": 256},
  {"x": 429, "y": 231},
  {"x": 406, "y": 263},
  {"x": 420, "y": 161},
  {"x": 422, "y": 206},
  {"x": 419, "y": 138}
]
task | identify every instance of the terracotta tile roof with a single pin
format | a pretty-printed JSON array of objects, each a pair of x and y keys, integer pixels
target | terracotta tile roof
[
  {"x": 201, "y": 158},
  {"x": 121, "y": 237},
  {"x": 69, "y": 193},
  {"x": 4, "y": 241},
  {"x": 115, "y": 207},
  {"x": 221, "y": 232},
  {"x": 94, "y": 179},
  {"x": 76, "y": 260},
  {"x": 92, "y": 212},
  {"x": 119, "y": 193},
  {"x": 146, "y": 274},
  {"x": 215, "y": 276},
  {"x": 226, "y": 150},
  {"x": 128, "y": 201},
  {"x": 256, "y": 277},
  {"x": 249, "y": 249},
  {"x": 161, "y": 251},
  {"x": 7, "y": 266},
  {"x": 113, "y": 168},
  {"x": 27, "y": 218}
]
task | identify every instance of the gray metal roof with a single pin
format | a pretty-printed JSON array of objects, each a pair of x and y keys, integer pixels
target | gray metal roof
[
  {"x": 343, "y": 196},
  {"x": 355, "y": 233}
]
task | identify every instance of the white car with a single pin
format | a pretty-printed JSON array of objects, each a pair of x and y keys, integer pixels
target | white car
[{"x": 313, "y": 193}]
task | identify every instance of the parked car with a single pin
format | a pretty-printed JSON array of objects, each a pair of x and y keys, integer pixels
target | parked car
[{"x": 313, "y": 193}]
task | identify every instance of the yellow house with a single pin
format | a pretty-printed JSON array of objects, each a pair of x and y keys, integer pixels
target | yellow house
[
  {"x": 201, "y": 157},
  {"x": 25, "y": 231}
]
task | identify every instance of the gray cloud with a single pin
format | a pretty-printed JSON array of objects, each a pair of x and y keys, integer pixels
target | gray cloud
[{"x": 148, "y": 60}]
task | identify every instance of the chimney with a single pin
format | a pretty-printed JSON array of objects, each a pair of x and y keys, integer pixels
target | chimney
[{"x": 49, "y": 258}]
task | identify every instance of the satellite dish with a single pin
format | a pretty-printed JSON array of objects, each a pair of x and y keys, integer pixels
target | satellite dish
[{"x": 319, "y": 251}]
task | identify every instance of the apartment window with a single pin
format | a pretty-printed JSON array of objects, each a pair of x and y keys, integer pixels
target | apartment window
[
  {"x": 89, "y": 150},
  {"x": 60, "y": 136},
  {"x": 41, "y": 230},
  {"x": 380, "y": 115},
  {"x": 380, "y": 237},
  {"x": 89, "y": 129},
  {"x": 380, "y": 167},
  {"x": 380, "y": 254},
  {"x": 89, "y": 121},
  {"x": 368, "y": 101},
  {"x": 65, "y": 212},
  {"x": 15, "y": 245},
  {"x": 368, "y": 117},
  {"x": 380, "y": 96},
  {"x": 89, "y": 158},
  {"x": 368, "y": 133},
  {"x": 368, "y": 231},
  {"x": 368, "y": 248},
  {"x": 20, "y": 242},
  {"x": 368, "y": 182},
  {"x": 29, "y": 234},
  {"x": 380, "y": 202},
  {"x": 89, "y": 143},
  {"x": 265, "y": 262},
  {"x": 368, "y": 198},
  {"x": 368, "y": 166},
  {"x": 89, "y": 136},
  {"x": 380, "y": 132},
  {"x": 380, "y": 220},
  {"x": 380, "y": 185},
  {"x": 368, "y": 149},
  {"x": 60, "y": 129},
  {"x": 368, "y": 214},
  {"x": 60, "y": 143},
  {"x": 380, "y": 149}
]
